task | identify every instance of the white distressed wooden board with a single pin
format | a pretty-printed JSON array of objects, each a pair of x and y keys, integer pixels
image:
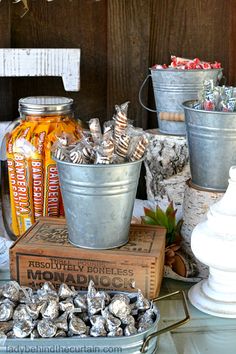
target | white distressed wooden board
[{"x": 16, "y": 62}]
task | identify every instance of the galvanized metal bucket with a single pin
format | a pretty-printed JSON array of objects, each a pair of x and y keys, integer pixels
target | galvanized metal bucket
[
  {"x": 98, "y": 202},
  {"x": 171, "y": 88},
  {"x": 144, "y": 342},
  {"x": 212, "y": 146}
]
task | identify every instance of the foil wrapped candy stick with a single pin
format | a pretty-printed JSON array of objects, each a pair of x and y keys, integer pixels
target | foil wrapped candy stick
[
  {"x": 114, "y": 145},
  {"x": 48, "y": 313}
]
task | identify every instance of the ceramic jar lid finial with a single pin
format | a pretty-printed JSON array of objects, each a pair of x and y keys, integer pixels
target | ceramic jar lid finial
[{"x": 222, "y": 215}]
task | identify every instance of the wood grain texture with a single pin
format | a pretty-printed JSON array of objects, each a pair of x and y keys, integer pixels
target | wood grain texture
[
  {"x": 232, "y": 43},
  {"x": 5, "y": 42},
  {"x": 42, "y": 62},
  {"x": 71, "y": 24},
  {"x": 140, "y": 260},
  {"x": 192, "y": 28},
  {"x": 127, "y": 51},
  {"x": 119, "y": 41}
]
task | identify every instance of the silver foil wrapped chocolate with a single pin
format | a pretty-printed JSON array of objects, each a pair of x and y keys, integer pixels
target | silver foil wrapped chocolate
[
  {"x": 67, "y": 305},
  {"x": 22, "y": 328},
  {"x": 34, "y": 309},
  {"x": 6, "y": 326},
  {"x": 61, "y": 333},
  {"x": 11, "y": 290},
  {"x": 112, "y": 323},
  {"x": 98, "y": 331},
  {"x": 80, "y": 302},
  {"x": 77, "y": 326},
  {"x": 118, "y": 332},
  {"x": 142, "y": 303},
  {"x": 21, "y": 313},
  {"x": 49, "y": 313},
  {"x": 130, "y": 330},
  {"x": 6, "y": 310},
  {"x": 61, "y": 322},
  {"x": 46, "y": 328},
  {"x": 64, "y": 291},
  {"x": 119, "y": 308}
]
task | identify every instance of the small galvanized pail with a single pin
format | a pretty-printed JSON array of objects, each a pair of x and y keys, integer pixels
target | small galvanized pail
[
  {"x": 212, "y": 146},
  {"x": 98, "y": 202},
  {"x": 171, "y": 88}
]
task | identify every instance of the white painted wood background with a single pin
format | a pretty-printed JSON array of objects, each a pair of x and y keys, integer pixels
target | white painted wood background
[{"x": 16, "y": 62}]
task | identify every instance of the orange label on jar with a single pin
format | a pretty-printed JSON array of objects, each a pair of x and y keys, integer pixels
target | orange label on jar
[
  {"x": 22, "y": 184},
  {"x": 37, "y": 167},
  {"x": 52, "y": 195},
  {"x": 23, "y": 150},
  {"x": 13, "y": 196},
  {"x": 51, "y": 179},
  {"x": 37, "y": 174}
]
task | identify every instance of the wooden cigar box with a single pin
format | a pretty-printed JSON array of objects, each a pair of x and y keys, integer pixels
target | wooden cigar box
[{"x": 44, "y": 253}]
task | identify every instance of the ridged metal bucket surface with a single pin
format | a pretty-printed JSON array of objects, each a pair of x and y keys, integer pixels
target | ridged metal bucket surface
[
  {"x": 212, "y": 146},
  {"x": 173, "y": 87},
  {"x": 98, "y": 202}
]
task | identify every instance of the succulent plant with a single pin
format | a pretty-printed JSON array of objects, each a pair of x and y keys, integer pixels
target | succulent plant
[{"x": 166, "y": 219}]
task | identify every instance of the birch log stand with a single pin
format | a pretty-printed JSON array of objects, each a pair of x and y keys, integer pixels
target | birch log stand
[
  {"x": 168, "y": 176},
  {"x": 196, "y": 203},
  {"x": 167, "y": 167}
]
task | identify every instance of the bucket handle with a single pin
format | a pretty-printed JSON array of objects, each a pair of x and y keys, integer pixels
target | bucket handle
[
  {"x": 174, "y": 325},
  {"x": 140, "y": 95}
]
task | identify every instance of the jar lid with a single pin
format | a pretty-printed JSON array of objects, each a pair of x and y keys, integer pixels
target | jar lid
[{"x": 45, "y": 105}]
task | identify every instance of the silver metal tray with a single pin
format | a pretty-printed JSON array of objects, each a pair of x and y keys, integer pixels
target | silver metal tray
[{"x": 145, "y": 342}]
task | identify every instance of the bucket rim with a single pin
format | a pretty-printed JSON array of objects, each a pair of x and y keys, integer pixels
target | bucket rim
[
  {"x": 97, "y": 166},
  {"x": 189, "y": 102},
  {"x": 185, "y": 70}
]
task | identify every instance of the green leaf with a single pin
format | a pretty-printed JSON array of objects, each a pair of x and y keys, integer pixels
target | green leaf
[
  {"x": 148, "y": 220},
  {"x": 166, "y": 219},
  {"x": 161, "y": 218},
  {"x": 149, "y": 212}
]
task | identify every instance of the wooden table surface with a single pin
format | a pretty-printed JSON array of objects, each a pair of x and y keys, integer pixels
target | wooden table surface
[{"x": 203, "y": 334}]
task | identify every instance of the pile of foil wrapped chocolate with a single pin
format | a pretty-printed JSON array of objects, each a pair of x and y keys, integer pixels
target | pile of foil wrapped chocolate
[
  {"x": 66, "y": 312},
  {"x": 188, "y": 64},
  {"x": 119, "y": 142},
  {"x": 216, "y": 98}
]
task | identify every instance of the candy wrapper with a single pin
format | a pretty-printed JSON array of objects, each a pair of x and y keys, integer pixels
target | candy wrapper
[
  {"x": 216, "y": 98},
  {"x": 48, "y": 313},
  {"x": 120, "y": 142},
  {"x": 187, "y": 64},
  {"x": 22, "y": 150},
  {"x": 33, "y": 180}
]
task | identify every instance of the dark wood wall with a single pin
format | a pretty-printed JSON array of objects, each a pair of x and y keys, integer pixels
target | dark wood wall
[{"x": 119, "y": 41}]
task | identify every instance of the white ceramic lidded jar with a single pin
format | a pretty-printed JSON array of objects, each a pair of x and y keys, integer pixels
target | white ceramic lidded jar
[{"x": 214, "y": 243}]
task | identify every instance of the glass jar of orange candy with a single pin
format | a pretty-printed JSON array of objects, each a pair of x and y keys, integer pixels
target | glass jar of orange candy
[{"x": 30, "y": 183}]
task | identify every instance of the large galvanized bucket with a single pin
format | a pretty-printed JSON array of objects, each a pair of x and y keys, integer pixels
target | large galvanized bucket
[
  {"x": 212, "y": 146},
  {"x": 98, "y": 202},
  {"x": 171, "y": 88}
]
